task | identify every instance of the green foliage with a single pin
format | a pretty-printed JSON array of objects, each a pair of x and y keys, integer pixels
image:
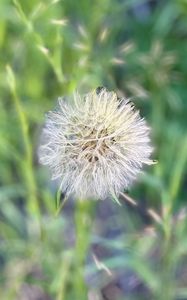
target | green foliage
[{"x": 50, "y": 49}]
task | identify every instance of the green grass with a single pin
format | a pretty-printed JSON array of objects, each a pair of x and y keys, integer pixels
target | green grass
[{"x": 50, "y": 49}]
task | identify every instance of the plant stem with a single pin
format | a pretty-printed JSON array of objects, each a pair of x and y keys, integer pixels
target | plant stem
[
  {"x": 166, "y": 284},
  {"x": 83, "y": 216},
  {"x": 33, "y": 205}
]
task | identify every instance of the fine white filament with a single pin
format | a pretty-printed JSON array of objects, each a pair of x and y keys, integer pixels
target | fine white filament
[{"x": 95, "y": 146}]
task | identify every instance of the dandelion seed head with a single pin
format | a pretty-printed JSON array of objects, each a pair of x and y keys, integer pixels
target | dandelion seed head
[{"x": 96, "y": 145}]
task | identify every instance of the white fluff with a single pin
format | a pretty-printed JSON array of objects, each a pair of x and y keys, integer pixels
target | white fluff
[{"x": 96, "y": 146}]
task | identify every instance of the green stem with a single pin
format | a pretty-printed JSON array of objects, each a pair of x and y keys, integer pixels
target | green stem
[
  {"x": 64, "y": 275},
  {"x": 83, "y": 220},
  {"x": 33, "y": 205},
  {"x": 167, "y": 267}
]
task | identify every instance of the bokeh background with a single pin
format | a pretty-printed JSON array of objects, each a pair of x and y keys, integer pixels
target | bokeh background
[{"x": 51, "y": 249}]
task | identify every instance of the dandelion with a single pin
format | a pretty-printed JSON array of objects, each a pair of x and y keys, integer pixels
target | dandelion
[{"x": 96, "y": 145}]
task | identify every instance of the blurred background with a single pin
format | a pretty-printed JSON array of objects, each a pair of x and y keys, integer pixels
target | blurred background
[{"x": 51, "y": 249}]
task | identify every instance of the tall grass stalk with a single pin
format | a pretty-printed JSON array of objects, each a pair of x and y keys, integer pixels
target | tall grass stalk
[
  {"x": 168, "y": 265},
  {"x": 55, "y": 59},
  {"x": 27, "y": 167}
]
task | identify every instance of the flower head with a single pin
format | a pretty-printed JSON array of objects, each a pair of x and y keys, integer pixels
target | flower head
[{"x": 96, "y": 145}]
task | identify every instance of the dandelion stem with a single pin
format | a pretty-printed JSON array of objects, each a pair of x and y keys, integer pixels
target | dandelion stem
[{"x": 83, "y": 218}]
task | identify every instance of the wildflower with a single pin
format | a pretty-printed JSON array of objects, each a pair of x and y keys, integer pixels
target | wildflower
[{"x": 96, "y": 145}]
